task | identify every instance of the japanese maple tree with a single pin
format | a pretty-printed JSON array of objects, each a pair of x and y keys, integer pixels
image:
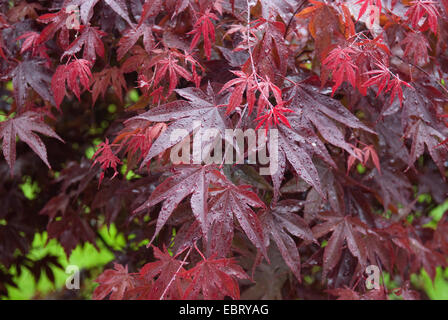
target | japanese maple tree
[{"x": 98, "y": 96}]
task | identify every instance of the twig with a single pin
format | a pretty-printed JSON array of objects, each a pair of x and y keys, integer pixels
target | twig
[
  {"x": 254, "y": 72},
  {"x": 177, "y": 271},
  {"x": 425, "y": 72},
  {"x": 290, "y": 20}
]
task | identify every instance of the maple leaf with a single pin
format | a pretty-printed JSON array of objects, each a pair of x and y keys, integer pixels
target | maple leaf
[
  {"x": 270, "y": 52},
  {"x": 418, "y": 10},
  {"x": 114, "y": 282},
  {"x": 214, "y": 278},
  {"x": 204, "y": 26},
  {"x": 137, "y": 138},
  {"x": 85, "y": 8},
  {"x": 169, "y": 66},
  {"x": 275, "y": 115},
  {"x": 176, "y": 6},
  {"x": 79, "y": 69},
  {"x": 106, "y": 158},
  {"x": 339, "y": 61},
  {"x": 31, "y": 41},
  {"x": 344, "y": 229},
  {"x": 139, "y": 60},
  {"x": 226, "y": 200},
  {"x": 381, "y": 77},
  {"x": 324, "y": 113},
  {"x": 167, "y": 269},
  {"x": 395, "y": 89},
  {"x": 265, "y": 86},
  {"x": 363, "y": 155},
  {"x": 56, "y": 205},
  {"x": 279, "y": 223},
  {"x": 199, "y": 108},
  {"x": 24, "y": 126},
  {"x": 295, "y": 148},
  {"x": 269, "y": 278},
  {"x": 416, "y": 46},
  {"x": 22, "y": 10},
  {"x": 90, "y": 40},
  {"x": 369, "y": 4},
  {"x": 56, "y": 22},
  {"x": 120, "y": 8},
  {"x": 187, "y": 179},
  {"x": 243, "y": 83},
  {"x": 103, "y": 80},
  {"x": 70, "y": 230},
  {"x": 393, "y": 187},
  {"x": 131, "y": 37},
  {"x": 423, "y": 134},
  {"x": 151, "y": 8},
  {"x": 334, "y": 195},
  {"x": 425, "y": 257},
  {"x": 31, "y": 73},
  {"x": 322, "y": 17}
]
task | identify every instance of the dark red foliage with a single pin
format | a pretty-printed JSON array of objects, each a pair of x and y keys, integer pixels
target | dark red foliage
[{"x": 353, "y": 95}]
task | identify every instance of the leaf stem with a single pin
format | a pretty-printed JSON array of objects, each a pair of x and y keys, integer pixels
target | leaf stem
[{"x": 175, "y": 274}]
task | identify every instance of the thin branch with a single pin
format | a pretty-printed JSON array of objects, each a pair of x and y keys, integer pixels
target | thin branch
[
  {"x": 254, "y": 72},
  {"x": 445, "y": 90},
  {"x": 177, "y": 271},
  {"x": 293, "y": 15}
]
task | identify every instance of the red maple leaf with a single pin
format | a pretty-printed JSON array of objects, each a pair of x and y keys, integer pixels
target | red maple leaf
[
  {"x": 187, "y": 180},
  {"x": 169, "y": 66},
  {"x": 395, "y": 89},
  {"x": 31, "y": 41},
  {"x": 137, "y": 138},
  {"x": 214, "y": 278},
  {"x": 418, "y": 10},
  {"x": 204, "y": 26},
  {"x": 31, "y": 73},
  {"x": 103, "y": 80},
  {"x": 381, "y": 78},
  {"x": 131, "y": 37},
  {"x": 339, "y": 61},
  {"x": 23, "y": 126},
  {"x": 114, "y": 282},
  {"x": 200, "y": 107},
  {"x": 363, "y": 155},
  {"x": 244, "y": 82},
  {"x": 89, "y": 41},
  {"x": 416, "y": 46},
  {"x": 77, "y": 71},
  {"x": 106, "y": 158},
  {"x": 228, "y": 200},
  {"x": 369, "y": 4},
  {"x": 280, "y": 223},
  {"x": 150, "y": 9},
  {"x": 167, "y": 269},
  {"x": 347, "y": 230},
  {"x": 56, "y": 21},
  {"x": 274, "y": 116}
]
